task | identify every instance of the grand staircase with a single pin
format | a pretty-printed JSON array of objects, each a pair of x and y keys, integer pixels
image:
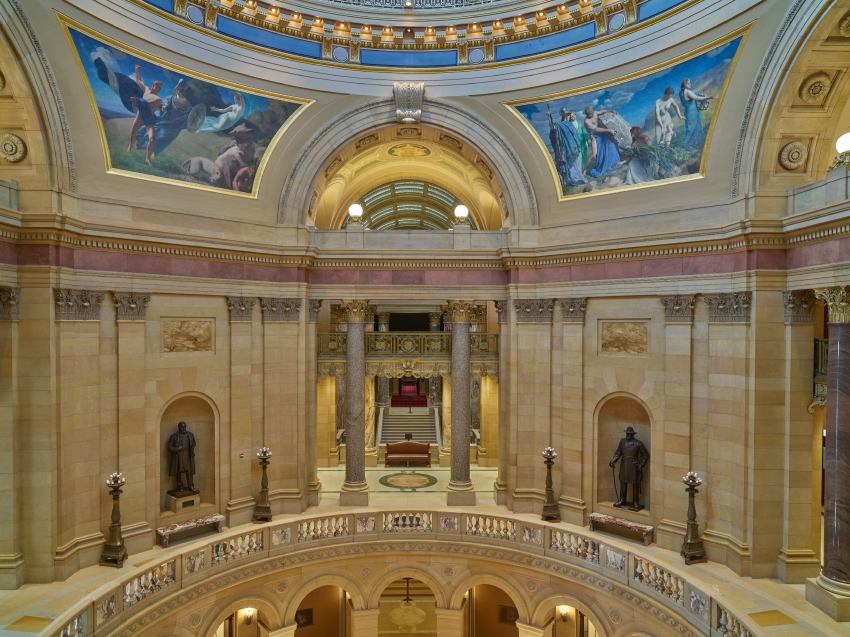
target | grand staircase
[{"x": 397, "y": 422}]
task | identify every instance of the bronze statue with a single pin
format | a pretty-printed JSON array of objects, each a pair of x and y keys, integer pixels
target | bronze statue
[
  {"x": 635, "y": 456},
  {"x": 182, "y": 448}
]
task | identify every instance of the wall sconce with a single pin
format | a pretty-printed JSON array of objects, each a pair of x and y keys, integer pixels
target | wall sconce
[
  {"x": 563, "y": 611},
  {"x": 249, "y": 615}
]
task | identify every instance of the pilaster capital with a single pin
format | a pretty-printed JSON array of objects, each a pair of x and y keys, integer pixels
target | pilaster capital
[
  {"x": 315, "y": 307},
  {"x": 799, "y": 306},
  {"x": 130, "y": 307},
  {"x": 501, "y": 311},
  {"x": 282, "y": 310},
  {"x": 459, "y": 311},
  {"x": 335, "y": 369},
  {"x": 837, "y": 302},
  {"x": 534, "y": 310},
  {"x": 241, "y": 309},
  {"x": 572, "y": 310},
  {"x": 74, "y": 305},
  {"x": 351, "y": 311},
  {"x": 384, "y": 318},
  {"x": 678, "y": 309},
  {"x": 729, "y": 308},
  {"x": 9, "y": 303}
]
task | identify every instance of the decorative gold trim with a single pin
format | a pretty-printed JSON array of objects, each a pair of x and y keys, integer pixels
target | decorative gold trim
[
  {"x": 742, "y": 32},
  {"x": 386, "y": 69},
  {"x": 67, "y": 23}
]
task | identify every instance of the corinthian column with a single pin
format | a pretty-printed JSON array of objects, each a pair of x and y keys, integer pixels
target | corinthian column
[
  {"x": 460, "y": 490},
  {"x": 383, "y": 382},
  {"x": 355, "y": 491}
]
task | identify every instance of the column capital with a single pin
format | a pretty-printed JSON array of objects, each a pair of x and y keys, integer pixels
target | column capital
[
  {"x": 315, "y": 308},
  {"x": 434, "y": 319},
  {"x": 729, "y": 308},
  {"x": 573, "y": 310},
  {"x": 799, "y": 306},
  {"x": 280, "y": 310},
  {"x": 10, "y": 299},
  {"x": 838, "y": 303},
  {"x": 74, "y": 305},
  {"x": 501, "y": 311},
  {"x": 241, "y": 309},
  {"x": 534, "y": 310},
  {"x": 128, "y": 307},
  {"x": 459, "y": 311},
  {"x": 678, "y": 308},
  {"x": 384, "y": 318},
  {"x": 351, "y": 311}
]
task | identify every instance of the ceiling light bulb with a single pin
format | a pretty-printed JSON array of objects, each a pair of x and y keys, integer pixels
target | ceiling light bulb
[
  {"x": 355, "y": 210},
  {"x": 461, "y": 211},
  {"x": 843, "y": 143}
]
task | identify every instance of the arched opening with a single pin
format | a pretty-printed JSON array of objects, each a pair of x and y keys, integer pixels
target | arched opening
[
  {"x": 407, "y": 606},
  {"x": 615, "y": 416},
  {"x": 566, "y": 621},
  {"x": 245, "y": 622},
  {"x": 489, "y": 612},
  {"x": 324, "y": 612}
]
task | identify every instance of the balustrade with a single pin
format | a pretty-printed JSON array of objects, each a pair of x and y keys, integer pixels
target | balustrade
[
  {"x": 575, "y": 545},
  {"x": 728, "y": 624},
  {"x": 490, "y": 526},
  {"x": 77, "y": 627},
  {"x": 236, "y": 547},
  {"x": 323, "y": 528},
  {"x": 148, "y": 583},
  {"x": 405, "y": 522},
  {"x": 660, "y": 580}
]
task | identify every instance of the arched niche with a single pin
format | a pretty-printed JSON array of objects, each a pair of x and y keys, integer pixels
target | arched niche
[
  {"x": 200, "y": 418},
  {"x": 616, "y": 414}
]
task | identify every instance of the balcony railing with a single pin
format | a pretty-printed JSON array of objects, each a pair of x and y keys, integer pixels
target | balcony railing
[{"x": 394, "y": 345}]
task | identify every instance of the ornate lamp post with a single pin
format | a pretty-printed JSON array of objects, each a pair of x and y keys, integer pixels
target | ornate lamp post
[
  {"x": 114, "y": 552},
  {"x": 263, "y": 510},
  {"x": 550, "y": 506},
  {"x": 692, "y": 549}
]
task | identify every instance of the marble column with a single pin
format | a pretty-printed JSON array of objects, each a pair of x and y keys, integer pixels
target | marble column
[
  {"x": 383, "y": 383},
  {"x": 835, "y": 576},
  {"x": 460, "y": 491},
  {"x": 370, "y": 421},
  {"x": 435, "y": 384},
  {"x": 355, "y": 490}
]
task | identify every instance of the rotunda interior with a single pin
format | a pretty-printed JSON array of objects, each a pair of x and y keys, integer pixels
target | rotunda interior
[{"x": 454, "y": 318}]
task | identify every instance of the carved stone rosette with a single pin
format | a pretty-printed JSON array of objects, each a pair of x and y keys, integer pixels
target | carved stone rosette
[
  {"x": 131, "y": 307},
  {"x": 354, "y": 311},
  {"x": 72, "y": 305},
  {"x": 501, "y": 311},
  {"x": 241, "y": 309},
  {"x": 534, "y": 310},
  {"x": 315, "y": 308},
  {"x": 678, "y": 309},
  {"x": 799, "y": 306},
  {"x": 282, "y": 310},
  {"x": 9, "y": 303},
  {"x": 837, "y": 302},
  {"x": 458, "y": 311},
  {"x": 729, "y": 308},
  {"x": 573, "y": 310}
]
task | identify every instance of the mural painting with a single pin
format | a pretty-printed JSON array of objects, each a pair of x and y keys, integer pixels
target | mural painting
[
  {"x": 164, "y": 123},
  {"x": 650, "y": 128}
]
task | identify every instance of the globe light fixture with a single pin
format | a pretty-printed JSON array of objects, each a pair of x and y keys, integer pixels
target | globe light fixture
[
  {"x": 843, "y": 143},
  {"x": 355, "y": 214},
  {"x": 461, "y": 215}
]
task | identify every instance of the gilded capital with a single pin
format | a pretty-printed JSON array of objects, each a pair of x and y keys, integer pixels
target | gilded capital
[
  {"x": 459, "y": 311},
  {"x": 837, "y": 302},
  {"x": 354, "y": 311}
]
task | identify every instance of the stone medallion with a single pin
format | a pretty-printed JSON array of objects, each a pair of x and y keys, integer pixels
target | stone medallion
[
  {"x": 12, "y": 148},
  {"x": 815, "y": 87},
  {"x": 793, "y": 155},
  {"x": 408, "y": 481}
]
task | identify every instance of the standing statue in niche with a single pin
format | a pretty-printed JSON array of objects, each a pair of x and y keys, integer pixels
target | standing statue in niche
[
  {"x": 182, "y": 448},
  {"x": 635, "y": 456}
]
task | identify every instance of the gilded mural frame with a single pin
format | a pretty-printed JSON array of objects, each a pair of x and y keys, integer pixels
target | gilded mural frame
[
  {"x": 67, "y": 23},
  {"x": 742, "y": 32}
]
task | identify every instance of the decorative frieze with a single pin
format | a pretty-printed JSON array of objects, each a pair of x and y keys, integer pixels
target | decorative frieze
[
  {"x": 9, "y": 303},
  {"x": 729, "y": 308},
  {"x": 315, "y": 308},
  {"x": 131, "y": 307},
  {"x": 414, "y": 368},
  {"x": 282, "y": 310},
  {"x": 837, "y": 302},
  {"x": 678, "y": 309},
  {"x": 573, "y": 310},
  {"x": 73, "y": 305},
  {"x": 501, "y": 311},
  {"x": 241, "y": 309},
  {"x": 484, "y": 369},
  {"x": 799, "y": 306},
  {"x": 335, "y": 369},
  {"x": 534, "y": 310},
  {"x": 458, "y": 311},
  {"x": 355, "y": 311}
]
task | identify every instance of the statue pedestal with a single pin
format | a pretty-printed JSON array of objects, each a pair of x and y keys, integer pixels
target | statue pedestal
[{"x": 180, "y": 501}]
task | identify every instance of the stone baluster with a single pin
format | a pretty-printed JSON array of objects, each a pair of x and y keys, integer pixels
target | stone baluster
[
  {"x": 355, "y": 490},
  {"x": 460, "y": 491}
]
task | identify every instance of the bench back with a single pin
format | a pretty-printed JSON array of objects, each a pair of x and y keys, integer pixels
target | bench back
[{"x": 408, "y": 446}]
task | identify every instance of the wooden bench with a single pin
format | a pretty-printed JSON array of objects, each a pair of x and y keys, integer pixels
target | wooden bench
[
  {"x": 196, "y": 524},
  {"x": 408, "y": 451},
  {"x": 619, "y": 525}
]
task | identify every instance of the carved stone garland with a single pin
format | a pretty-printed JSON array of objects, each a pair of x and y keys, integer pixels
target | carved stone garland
[
  {"x": 241, "y": 309},
  {"x": 573, "y": 310},
  {"x": 281, "y": 310},
  {"x": 73, "y": 305},
  {"x": 315, "y": 308},
  {"x": 799, "y": 306},
  {"x": 534, "y": 310},
  {"x": 729, "y": 308},
  {"x": 678, "y": 309},
  {"x": 131, "y": 307}
]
